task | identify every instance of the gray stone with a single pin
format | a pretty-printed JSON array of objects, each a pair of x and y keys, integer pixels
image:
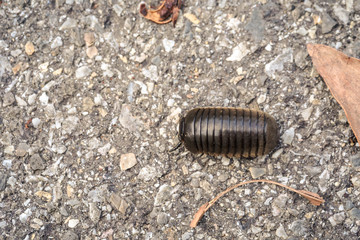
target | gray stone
[
  {"x": 70, "y": 235},
  {"x": 127, "y": 120},
  {"x": 327, "y": 23},
  {"x": 355, "y": 160},
  {"x": 70, "y": 124},
  {"x": 21, "y": 149},
  {"x": 25, "y": 215},
  {"x": 306, "y": 113},
  {"x": 257, "y": 172},
  {"x": 255, "y": 230},
  {"x": 68, "y": 24},
  {"x": 281, "y": 233},
  {"x": 94, "y": 212},
  {"x": 238, "y": 53},
  {"x": 324, "y": 180},
  {"x": 300, "y": 59},
  {"x": 20, "y": 101},
  {"x": 36, "y": 162},
  {"x": 341, "y": 13},
  {"x": 8, "y": 99},
  {"x": 15, "y": 53},
  {"x": 4, "y": 66},
  {"x": 118, "y": 10},
  {"x": 356, "y": 5},
  {"x": 98, "y": 194},
  {"x": 187, "y": 235},
  {"x": 349, "y": 205},
  {"x": 119, "y": 203},
  {"x": 162, "y": 218},
  {"x": 83, "y": 72},
  {"x": 279, "y": 205},
  {"x": 355, "y": 213},
  {"x": 299, "y": 227},
  {"x": 3, "y": 44},
  {"x": 3, "y": 180},
  {"x": 337, "y": 218},
  {"x": 223, "y": 177},
  {"x": 313, "y": 170},
  {"x": 211, "y": 3},
  {"x": 3, "y": 224},
  {"x": 7, "y": 163},
  {"x": 278, "y": 63},
  {"x": 163, "y": 195},
  {"x": 288, "y": 136},
  {"x": 56, "y": 43},
  {"x": 105, "y": 149},
  {"x": 156, "y": 60},
  {"x": 148, "y": 173},
  {"x": 281, "y": 200},
  {"x": 256, "y": 25},
  {"x": 151, "y": 72}
]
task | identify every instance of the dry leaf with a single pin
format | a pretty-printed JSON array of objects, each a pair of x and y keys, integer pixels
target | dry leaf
[
  {"x": 166, "y": 12},
  {"x": 314, "y": 198},
  {"x": 341, "y": 74}
]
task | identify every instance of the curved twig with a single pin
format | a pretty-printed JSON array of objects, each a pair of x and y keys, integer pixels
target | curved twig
[{"x": 314, "y": 198}]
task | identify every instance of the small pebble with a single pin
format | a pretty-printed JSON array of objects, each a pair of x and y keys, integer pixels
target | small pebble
[
  {"x": 288, "y": 136},
  {"x": 168, "y": 44},
  {"x": 73, "y": 223},
  {"x": 29, "y": 48},
  {"x": 68, "y": 24},
  {"x": 22, "y": 149},
  {"x": 127, "y": 161},
  {"x": 355, "y": 213},
  {"x": 257, "y": 172},
  {"x": 89, "y": 39},
  {"x": 56, "y": 43},
  {"x": 83, "y": 72},
  {"x": 8, "y": 99},
  {"x": 162, "y": 219},
  {"x": 281, "y": 233},
  {"x": 119, "y": 203}
]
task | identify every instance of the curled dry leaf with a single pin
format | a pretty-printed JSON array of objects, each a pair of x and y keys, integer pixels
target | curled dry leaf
[
  {"x": 162, "y": 14},
  {"x": 314, "y": 198},
  {"x": 341, "y": 74}
]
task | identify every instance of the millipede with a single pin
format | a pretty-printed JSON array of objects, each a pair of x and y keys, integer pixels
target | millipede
[{"x": 230, "y": 132}]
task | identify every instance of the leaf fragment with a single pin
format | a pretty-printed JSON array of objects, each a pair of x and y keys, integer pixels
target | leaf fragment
[{"x": 341, "y": 74}]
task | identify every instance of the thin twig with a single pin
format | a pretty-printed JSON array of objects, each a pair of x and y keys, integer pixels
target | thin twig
[{"x": 314, "y": 198}]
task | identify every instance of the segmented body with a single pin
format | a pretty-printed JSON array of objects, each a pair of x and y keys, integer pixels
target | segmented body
[{"x": 231, "y": 132}]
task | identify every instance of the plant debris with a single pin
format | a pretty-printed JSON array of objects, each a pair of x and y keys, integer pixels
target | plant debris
[
  {"x": 314, "y": 198},
  {"x": 167, "y": 11},
  {"x": 341, "y": 74}
]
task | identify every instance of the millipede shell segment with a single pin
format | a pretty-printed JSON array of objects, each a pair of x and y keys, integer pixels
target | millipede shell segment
[{"x": 231, "y": 132}]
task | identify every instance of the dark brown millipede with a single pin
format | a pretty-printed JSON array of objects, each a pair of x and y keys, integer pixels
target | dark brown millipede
[{"x": 231, "y": 132}]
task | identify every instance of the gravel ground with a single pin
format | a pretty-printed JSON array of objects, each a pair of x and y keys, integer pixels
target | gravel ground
[{"x": 90, "y": 97}]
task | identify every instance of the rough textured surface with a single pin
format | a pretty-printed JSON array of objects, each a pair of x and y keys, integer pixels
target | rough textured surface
[{"x": 60, "y": 178}]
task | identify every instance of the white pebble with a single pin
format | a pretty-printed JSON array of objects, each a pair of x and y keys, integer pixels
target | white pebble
[
  {"x": 44, "y": 99},
  {"x": 36, "y": 122},
  {"x": 73, "y": 223}
]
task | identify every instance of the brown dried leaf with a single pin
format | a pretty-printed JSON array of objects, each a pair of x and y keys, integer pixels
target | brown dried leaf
[
  {"x": 314, "y": 198},
  {"x": 341, "y": 74}
]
